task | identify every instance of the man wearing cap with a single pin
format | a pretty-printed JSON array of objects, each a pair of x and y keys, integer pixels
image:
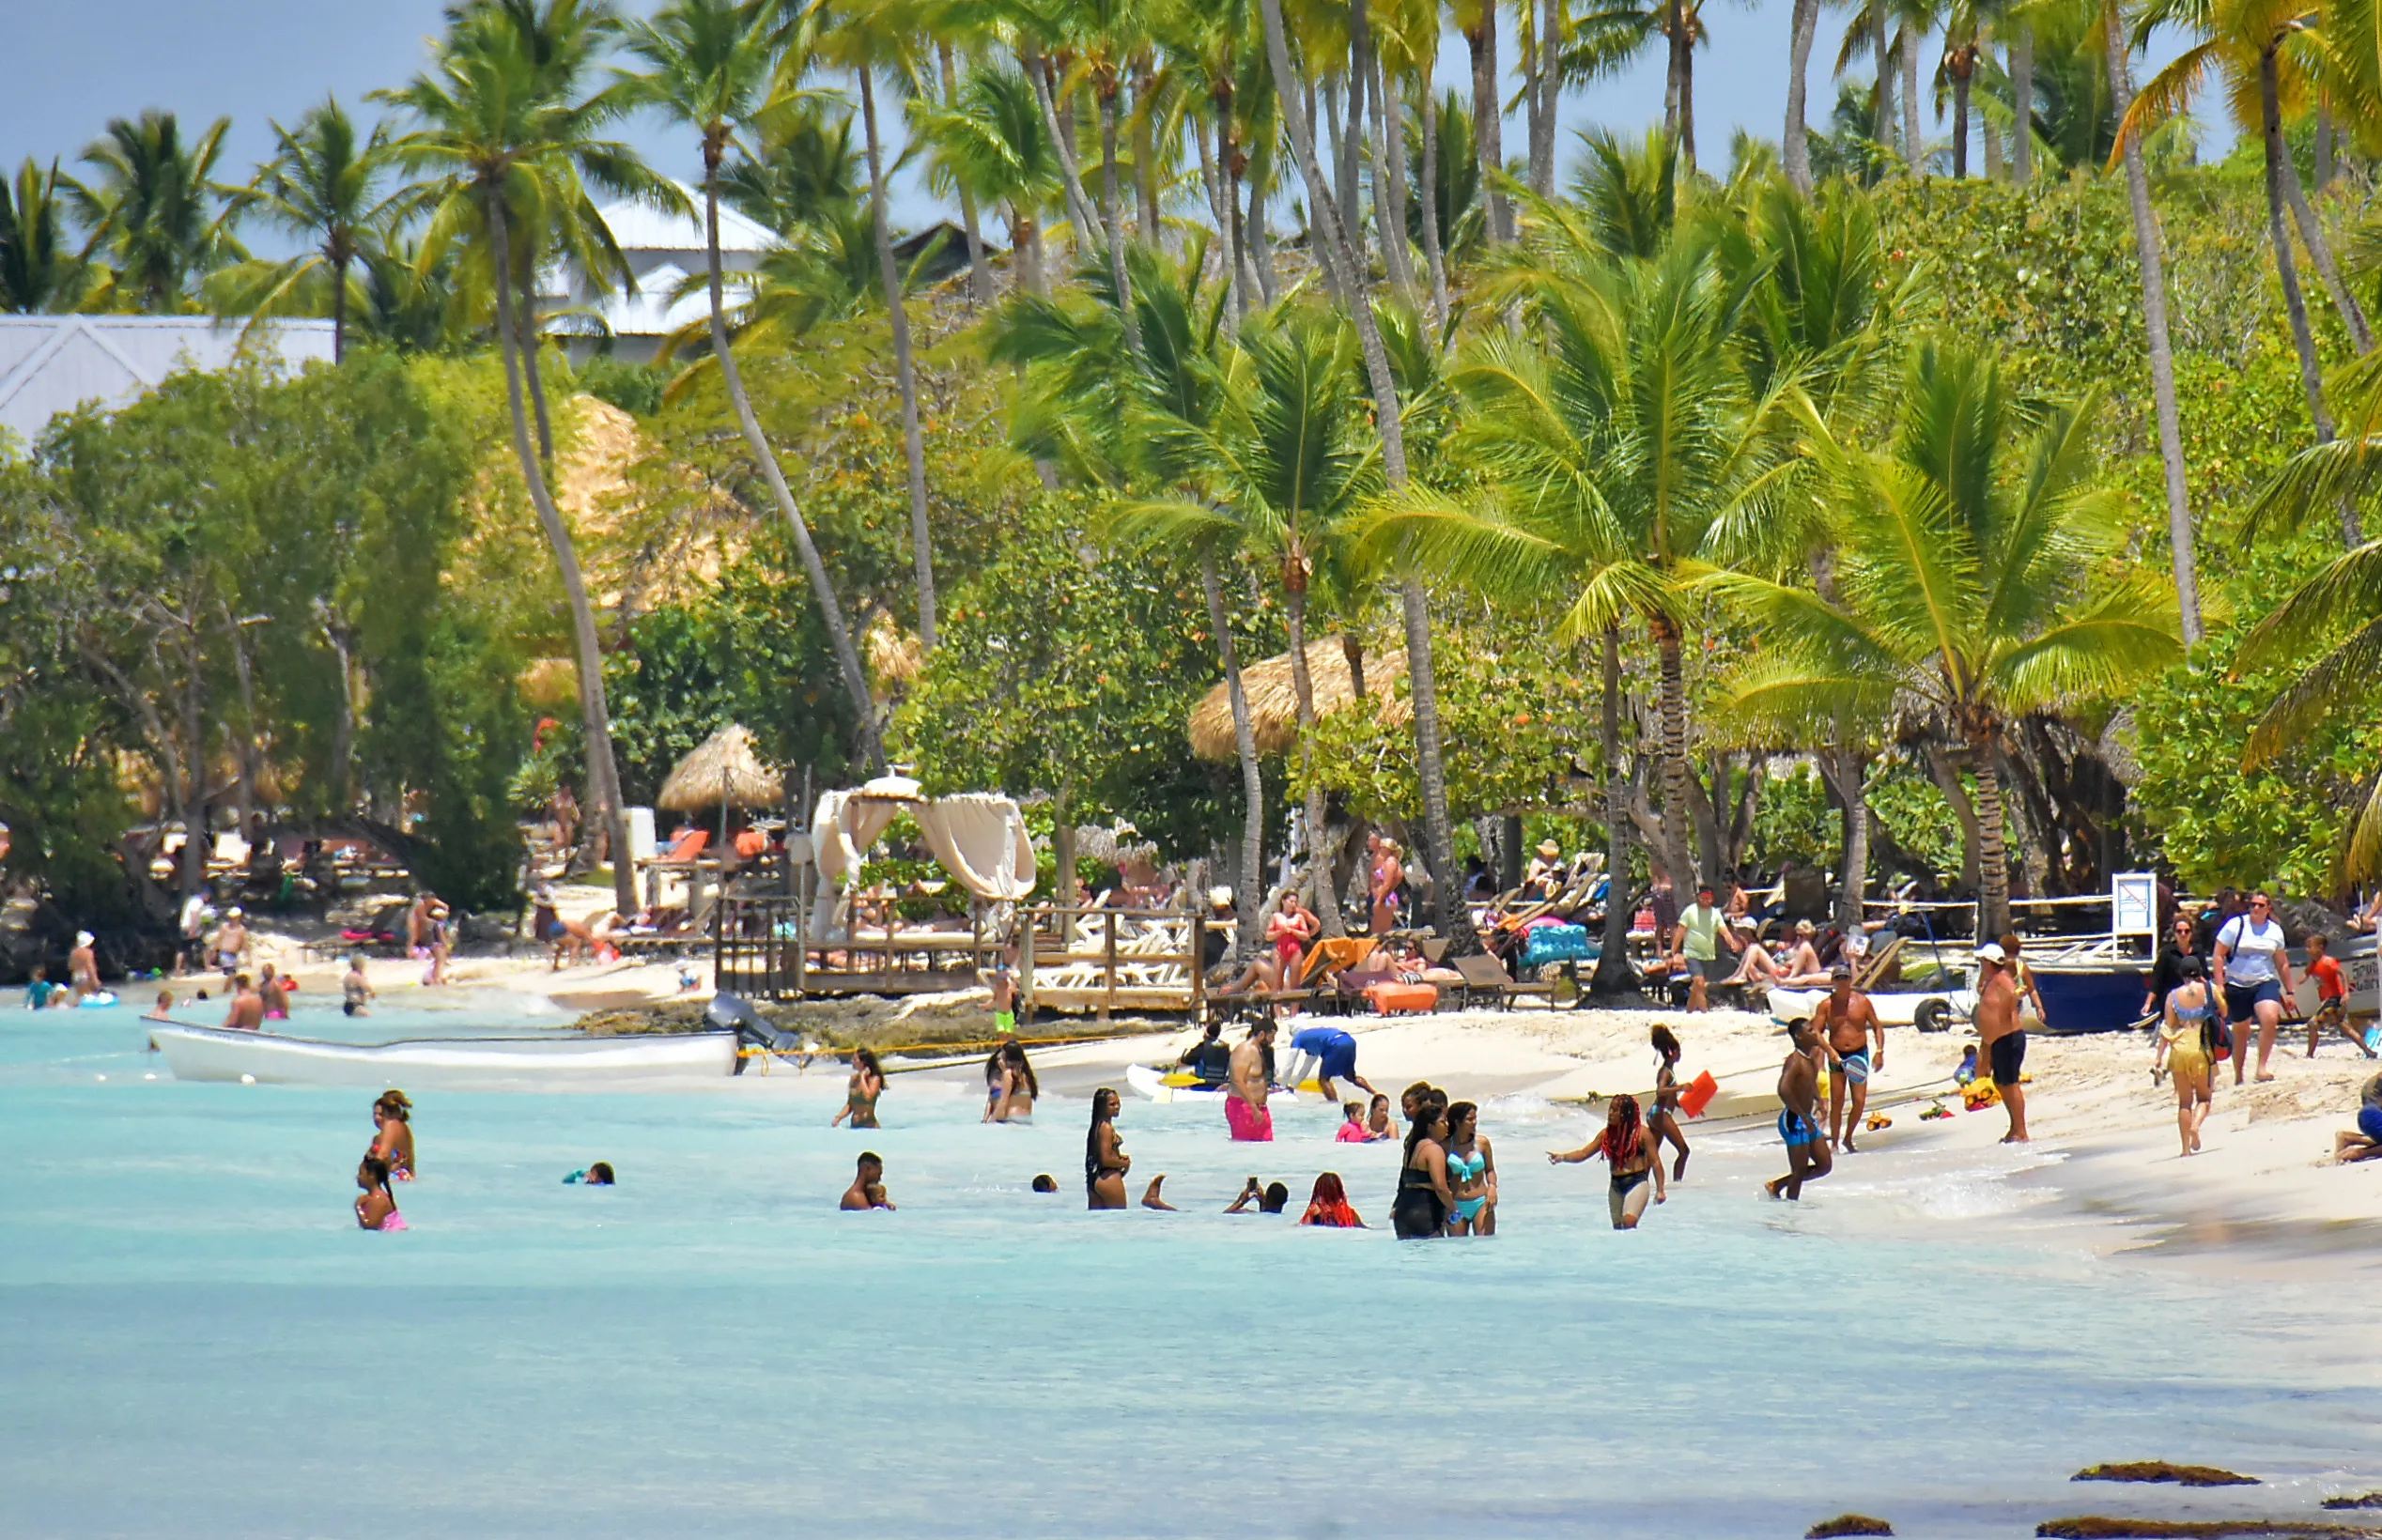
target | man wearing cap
[
  {"x": 231, "y": 941},
  {"x": 83, "y": 965},
  {"x": 2001, "y": 1041},
  {"x": 1845, "y": 1023},
  {"x": 1696, "y": 941}
]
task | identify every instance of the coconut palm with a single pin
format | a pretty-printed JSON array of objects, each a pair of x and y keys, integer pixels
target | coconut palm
[
  {"x": 494, "y": 140},
  {"x": 1981, "y": 577},
  {"x": 36, "y": 272},
  {"x": 325, "y": 188},
  {"x": 869, "y": 38},
  {"x": 1610, "y": 41},
  {"x": 2262, "y": 48},
  {"x": 711, "y": 66},
  {"x": 988, "y": 143},
  {"x": 798, "y": 166},
  {"x": 155, "y": 219},
  {"x": 1276, "y": 468}
]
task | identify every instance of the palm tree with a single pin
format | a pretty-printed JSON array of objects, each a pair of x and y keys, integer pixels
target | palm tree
[
  {"x": 1610, "y": 41},
  {"x": 495, "y": 140},
  {"x": 156, "y": 218},
  {"x": 987, "y": 143},
  {"x": 866, "y": 39},
  {"x": 799, "y": 168},
  {"x": 1795, "y": 146},
  {"x": 1614, "y": 435},
  {"x": 2251, "y": 43},
  {"x": 37, "y": 273},
  {"x": 711, "y": 65},
  {"x": 323, "y": 187},
  {"x": 1277, "y": 468},
  {"x": 1979, "y": 580}
]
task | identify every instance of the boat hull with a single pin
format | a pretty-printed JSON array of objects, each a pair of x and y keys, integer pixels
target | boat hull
[
  {"x": 206, "y": 1053},
  {"x": 2090, "y": 999}
]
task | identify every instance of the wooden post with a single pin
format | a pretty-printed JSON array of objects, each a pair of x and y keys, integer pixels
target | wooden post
[
  {"x": 719, "y": 957},
  {"x": 1108, "y": 1001},
  {"x": 1026, "y": 965},
  {"x": 1198, "y": 966}
]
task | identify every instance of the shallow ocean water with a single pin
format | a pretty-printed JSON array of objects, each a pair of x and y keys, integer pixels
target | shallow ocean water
[{"x": 194, "y": 1339}]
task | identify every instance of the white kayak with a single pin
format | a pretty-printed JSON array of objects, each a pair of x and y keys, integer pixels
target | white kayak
[
  {"x": 210, "y": 1052},
  {"x": 1181, "y": 1085},
  {"x": 1929, "y": 1011}
]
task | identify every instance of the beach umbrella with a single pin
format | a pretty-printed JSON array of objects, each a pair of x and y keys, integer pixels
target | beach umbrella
[
  {"x": 726, "y": 771},
  {"x": 1274, "y": 698}
]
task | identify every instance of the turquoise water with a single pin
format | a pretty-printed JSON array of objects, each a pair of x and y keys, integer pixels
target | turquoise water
[{"x": 194, "y": 1339}]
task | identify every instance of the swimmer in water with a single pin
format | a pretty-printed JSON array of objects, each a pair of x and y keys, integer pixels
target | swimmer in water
[
  {"x": 1106, "y": 1162},
  {"x": 163, "y": 1009},
  {"x": 247, "y": 1013},
  {"x": 860, "y": 1098},
  {"x": 355, "y": 990},
  {"x": 393, "y": 1115},
  {"x": 868, "y": 1186},
  {"x": 1632, "y": 1148},
  {"x": 1472, "y": 1173},
  {"x": 377, "y": 1210}
]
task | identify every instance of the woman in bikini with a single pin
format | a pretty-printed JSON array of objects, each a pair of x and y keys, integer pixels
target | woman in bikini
[
  {"x": 860, "y": 1096},
  {"x": 2185, "y": 1049},
  {"x": 1472, "y": 1174},
  {"x": 1017, "y": 1087},
  {"x": 1388, "y": 876},
  {"x": 1630, "y": 1147},
  {"x": 392, "y": 1115},
  {"x": 1663, "y": 1114},
  {"x": 1106, "y": 1162},
  {"x": 376, "y": 1208},
  {"x": 1420, "y": 1211}
]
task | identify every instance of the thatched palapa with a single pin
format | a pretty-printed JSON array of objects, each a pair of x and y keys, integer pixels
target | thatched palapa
[
  {"x": 726, "y": 771},
  {"x": 1273, "y": 699}
]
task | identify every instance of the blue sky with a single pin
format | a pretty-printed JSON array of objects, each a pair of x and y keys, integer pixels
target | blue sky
[{"x": 74, "y": 64}]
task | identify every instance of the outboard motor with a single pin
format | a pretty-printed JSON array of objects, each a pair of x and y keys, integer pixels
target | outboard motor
[{"x": 730, "y": 1012}]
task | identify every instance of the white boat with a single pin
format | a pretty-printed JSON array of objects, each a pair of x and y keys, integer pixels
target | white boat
[
  {"x": 1181, "y": 1085},
  {"x": 1929, "y": 1011},
  {"x": 210, "y": 1052}
]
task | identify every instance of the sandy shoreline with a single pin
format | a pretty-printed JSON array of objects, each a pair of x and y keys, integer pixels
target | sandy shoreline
[{"x": 2105, "y": 1145}]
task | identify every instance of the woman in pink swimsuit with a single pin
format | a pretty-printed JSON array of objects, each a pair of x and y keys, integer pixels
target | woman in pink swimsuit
[
  {"x": 377, "y": 1210},
  {"x": 1290, "y": 928}
]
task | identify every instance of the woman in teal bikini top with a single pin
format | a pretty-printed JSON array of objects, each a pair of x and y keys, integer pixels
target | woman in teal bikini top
[{"x": 1470, "y": 1173}]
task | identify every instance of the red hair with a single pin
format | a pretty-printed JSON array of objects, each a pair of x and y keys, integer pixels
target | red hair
[{"x": 1621, "y": 1127}]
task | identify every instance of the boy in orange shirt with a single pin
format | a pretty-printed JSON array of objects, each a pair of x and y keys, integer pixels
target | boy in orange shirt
[{"x": 2332, "y": 999}]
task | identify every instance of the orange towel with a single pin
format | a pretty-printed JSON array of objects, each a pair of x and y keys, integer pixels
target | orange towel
[{"x": 1389, "y": 999}]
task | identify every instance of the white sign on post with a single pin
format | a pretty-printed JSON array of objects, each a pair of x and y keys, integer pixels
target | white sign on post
[{"x": 2133, "y": 904}]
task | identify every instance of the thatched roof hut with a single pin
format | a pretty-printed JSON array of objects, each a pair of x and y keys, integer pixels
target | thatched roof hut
[
  {"x": 725, "y": 771},
  {"x": 1273, "y": 700}
]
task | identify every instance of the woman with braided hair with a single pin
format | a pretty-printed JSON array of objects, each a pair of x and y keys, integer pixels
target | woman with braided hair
[{"x": 1631, "y": 1147}]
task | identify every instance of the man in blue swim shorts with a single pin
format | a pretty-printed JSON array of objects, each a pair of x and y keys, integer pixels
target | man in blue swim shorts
[
  {"x": 1333, "y": 1051},
  {"x": 1846, "y": 1024},
  {"x": 1808, "y": 1158},
  {"x": 2365, "y": 1144}
]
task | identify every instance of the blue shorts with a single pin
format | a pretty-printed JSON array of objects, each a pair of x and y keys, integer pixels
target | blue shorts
[
  {"x": 2370, "y": 1123},
  {"x": 1337, "y": 1049},
  {"x": 1856, "y": 1067},
  {"x": 1796, "y": 1129},
  {"x": 2241, "y": 1000}
]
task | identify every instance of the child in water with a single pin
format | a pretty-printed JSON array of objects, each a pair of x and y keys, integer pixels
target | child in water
[
  {"x": 1352, "y": 1132},
  {"x": 867, "y": 1185},
  {"x": 163, "y": 1009}
]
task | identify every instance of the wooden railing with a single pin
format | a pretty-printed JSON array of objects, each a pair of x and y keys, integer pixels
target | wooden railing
[{"x": 1075, "y": 956}]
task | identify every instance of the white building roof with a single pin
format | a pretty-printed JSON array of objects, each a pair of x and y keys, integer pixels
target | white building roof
[
  {"x": 661, "y": 250},
  {"x": 54, "y": 363},
  {"x": 637, "y": 227}
]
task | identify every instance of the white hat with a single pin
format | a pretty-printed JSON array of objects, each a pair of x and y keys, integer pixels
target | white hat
[
  {"x": 235, "y": 911},
  {"x": 83, "y": 938},
  {"x": 1991, "y": 952},
  {"x": 1220, "y": 897}
]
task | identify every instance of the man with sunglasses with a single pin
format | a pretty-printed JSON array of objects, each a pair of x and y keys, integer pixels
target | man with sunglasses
[{"x": 2254, "y": 974}]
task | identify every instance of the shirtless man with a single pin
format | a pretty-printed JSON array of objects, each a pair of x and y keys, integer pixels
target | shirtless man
[
  {"x": 868, "y": 1186},
  {"x": 1808, "y": 1158},
  {"x": 1845, "y": 1023},
  {"x": 1244, "y": 1110},
  {"x": 248, "y": 1006},
  {"x": 2001, "y": 1041},
  {"x": 83, "y": 965},
  {"x": 231, "y": 941}
]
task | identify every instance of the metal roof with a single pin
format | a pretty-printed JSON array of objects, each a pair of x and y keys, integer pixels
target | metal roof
[{"x": 54, "y": 363}]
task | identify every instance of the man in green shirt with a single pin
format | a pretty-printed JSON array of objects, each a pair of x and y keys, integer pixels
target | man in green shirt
[{"x": 1696, "y": 942}]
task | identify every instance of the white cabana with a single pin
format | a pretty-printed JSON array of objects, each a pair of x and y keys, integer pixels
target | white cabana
[{"x": 978, "y": 836}]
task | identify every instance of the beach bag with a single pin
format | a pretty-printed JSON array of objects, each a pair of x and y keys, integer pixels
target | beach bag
[{"x": 2216, "y": 1036}]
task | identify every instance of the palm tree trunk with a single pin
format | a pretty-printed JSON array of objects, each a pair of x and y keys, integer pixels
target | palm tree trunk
[
  {"x": 1796, "y": 142},
  {"x": 1674, "y": 28},
  {"x": 980, "y": 271},
  {"x": 1488, "y": 124},
  {"x": 1318, "y": 855},
  {"x": 1549, "y": 92},
  {"x": 1439, "y": 829},
  {"x": 603, "y": 774},
  {"x": 1145, "y": 157},
  {"x": 905, "y": 369},
  {"x": 1228, "y": 187},
  {"x": 1613, "y": 973},
  {"x": 2323, "y": 143},
  {"x": 1249, "y": 895},
  {"x": 1433, "y": 255},
  {"x": 1995, "y": 163},
  {"x": 1269, "y": 283},
  {"x": 525, "y": 338},
  {"x": 2287, "y": 268},
  {"x": 1687, "y": 90},
  {"x": 1847, "y": 772},
  {"x": 1960, "y": 127},
  {"x": 2022, "y": 104},
  {"x": 848, "y": 659},
  {"x": 2148, "y": 255},
  {"x": 1388, "y": 149},
  {"x": 1993, "y": 853},
  {"x": 339, "y": 310},
  {"x": 2311, "y": 234},
  {"x": 1113, "y": 220},
  {"x": 1910, "y": 145},
  {"x": 1079, "y": 210},
  {"x": 1676, "y": 855},
  {"x": 1881, "y": 52}
]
